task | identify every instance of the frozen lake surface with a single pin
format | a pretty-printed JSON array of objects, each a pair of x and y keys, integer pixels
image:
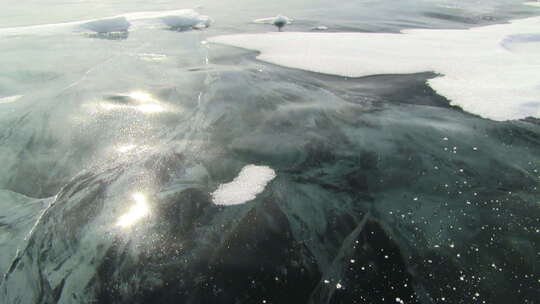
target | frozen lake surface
[{"x": 178, "y": 152}]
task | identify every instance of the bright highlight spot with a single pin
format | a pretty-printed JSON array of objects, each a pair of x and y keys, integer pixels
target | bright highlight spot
[
  {"x": 141, "y": 96},
  {"x": 147, "y": 103},
  {"x": 109, "y": 106},
  {"x": 153, "y": 57},
  {"x": 137, "y": 100},
  {"x": 125, "y": 148},
  {"x": 150, "y": 108},
  {"x": 246, "y": 186},
  {"x": 136, "y": 212}
]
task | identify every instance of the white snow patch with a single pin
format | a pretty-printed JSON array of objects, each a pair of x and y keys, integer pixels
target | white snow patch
[
  {"x": 251, "y": 181},
  {"x": 483, "y": 70}
]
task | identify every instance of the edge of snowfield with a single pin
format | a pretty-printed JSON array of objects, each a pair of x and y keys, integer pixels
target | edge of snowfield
[{"x": 491, "y": 71}]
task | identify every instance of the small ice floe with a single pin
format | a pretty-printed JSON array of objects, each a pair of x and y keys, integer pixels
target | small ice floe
[
  {"x": 320, "y": 28},
  {"x": 9, "y": 99},
  {"x": 279, "y": 21},
  {"x": 108, "y": 28},
  {"x": 107, "y": 25},
  {"x": 251, "y": 181},
  {"x": 187, "y": 20}
]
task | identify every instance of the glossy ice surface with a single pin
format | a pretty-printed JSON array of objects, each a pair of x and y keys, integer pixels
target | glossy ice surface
[{"x": 145, "y": 163}]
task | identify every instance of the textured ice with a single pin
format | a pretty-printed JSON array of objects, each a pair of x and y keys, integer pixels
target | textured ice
[
  {"x": 479, "y": 72},
  {"x": 18, "y": 214},
  {"x": 341, "y": 171},
  {"x": 343, "y": 149},
  {"x": 250, "y": 181}
]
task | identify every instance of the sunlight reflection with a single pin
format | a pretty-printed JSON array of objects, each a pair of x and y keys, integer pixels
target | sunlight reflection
[
  {"x": 141, "y": 96},
  {"x": 136, "y": 100},
  {"x": 148, "y": 104},
  {"x": 150, "y": 108},
  {"x": 125, "y": 148},
  {"x": 109, "y": 106},
  {"x": 153, "y": 57},
  {"x": 138, "y": 211}
]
